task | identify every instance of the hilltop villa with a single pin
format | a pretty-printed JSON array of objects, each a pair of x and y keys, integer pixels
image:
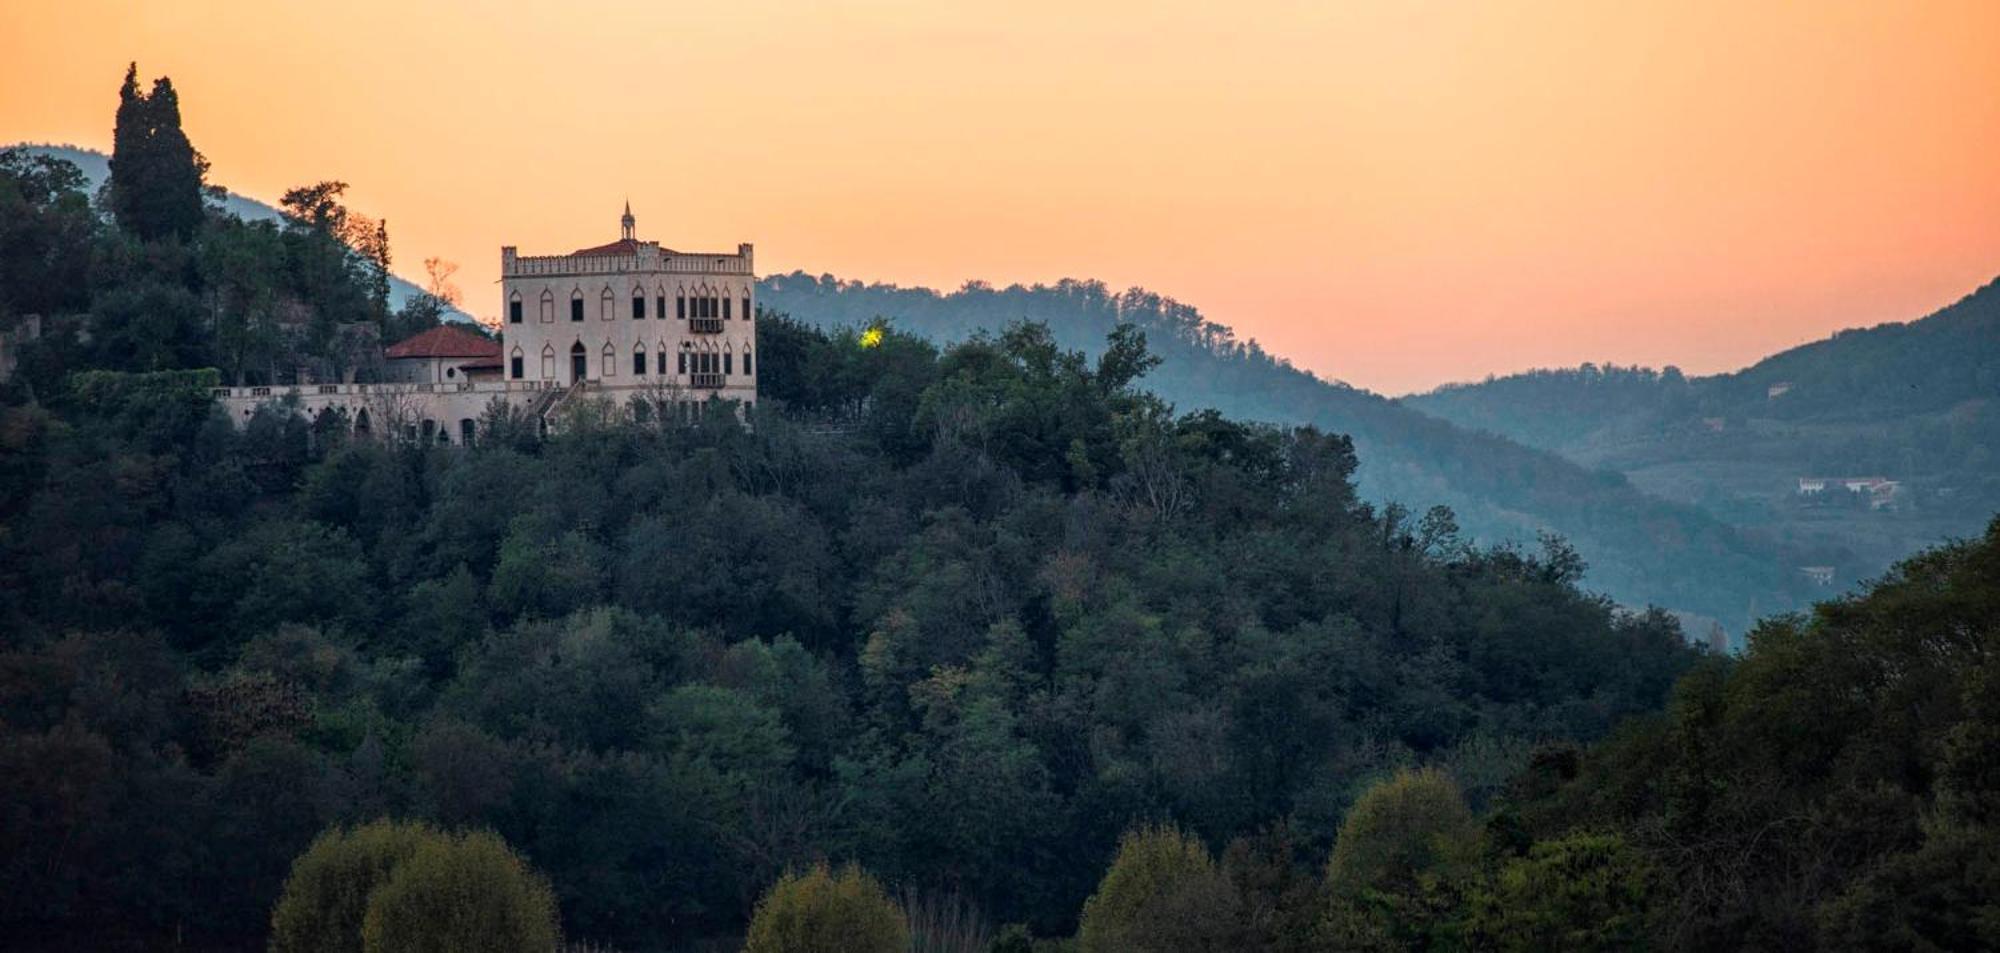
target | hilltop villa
[{"x": 624, "y": 321}]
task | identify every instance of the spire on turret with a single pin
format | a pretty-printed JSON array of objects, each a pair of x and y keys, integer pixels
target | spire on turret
[{"x": 627, "y": 222}]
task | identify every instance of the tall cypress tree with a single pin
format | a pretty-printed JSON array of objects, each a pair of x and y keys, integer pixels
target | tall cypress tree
[{"x": 156, "y": 174}]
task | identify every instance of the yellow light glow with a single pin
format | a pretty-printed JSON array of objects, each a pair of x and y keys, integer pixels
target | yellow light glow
[{"x": 871, "y": 337}]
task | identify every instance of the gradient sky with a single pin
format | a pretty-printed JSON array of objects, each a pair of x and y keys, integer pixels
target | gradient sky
[{"x": 1395, "y": 194}]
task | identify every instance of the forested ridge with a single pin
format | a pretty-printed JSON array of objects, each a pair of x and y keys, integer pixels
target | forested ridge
[
  {"x": 1643, "y": 550},
  {"x": 975, "y": 647}
]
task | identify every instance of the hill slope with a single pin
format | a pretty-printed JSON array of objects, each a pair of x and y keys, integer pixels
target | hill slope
[
  {"x": 1914, "y": 402},
  {"x": 1641, "y": 549}
]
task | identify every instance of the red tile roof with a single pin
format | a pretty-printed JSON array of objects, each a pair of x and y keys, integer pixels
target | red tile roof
[{"x": 445, "y": 341}]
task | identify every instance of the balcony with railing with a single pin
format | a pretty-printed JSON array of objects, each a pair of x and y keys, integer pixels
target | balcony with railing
[
  {"x": 701, "y": 380},
  {"x": 704, "y": 325}
]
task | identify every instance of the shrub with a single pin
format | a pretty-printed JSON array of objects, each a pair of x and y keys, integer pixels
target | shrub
[
  {"x": 1583, "y": 892},
  {"x": 326, "y": 896},
  {"x": 823, "y": 911},
  {"x": 1163, "y": 894},
  {"x": 410, "y": 887},
  {"x": 462, "y": 893}
]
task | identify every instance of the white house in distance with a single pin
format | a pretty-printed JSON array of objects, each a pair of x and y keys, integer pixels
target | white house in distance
[{"x": 624, "y": 321}]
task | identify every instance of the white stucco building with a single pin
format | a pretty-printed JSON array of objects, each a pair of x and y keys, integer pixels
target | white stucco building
[{"x": 628, "y": 321}]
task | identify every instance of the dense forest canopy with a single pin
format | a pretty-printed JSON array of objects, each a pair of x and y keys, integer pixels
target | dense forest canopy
[
  {"x": 985, "y": 628},
  {"x": 1642, "y": 549}
]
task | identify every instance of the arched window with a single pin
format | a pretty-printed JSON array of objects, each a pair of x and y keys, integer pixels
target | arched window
[
  {"x": 466, "y": 429},
  {"x": 747, "y": 372},
  {"x": 514, "y": 362},
  {"x": 548, "y": 362},
  {"x": 680, "y": 303},
  {"x": 548, "y": 306},
  {"x": 606, "y": 304},
  {"x": 579, "y": 363},
  {"x": 639, "y": 360},
  {"x": 660, "y": 361},
  {"x": 576, "y": 304},
  {"x": 514, "y": 308},
  {"x": 610, "y": 362},
  {"x": 660, "y": 302},
  {"x": 638, "y": 304},
  {"x": 746, "y": 313}
]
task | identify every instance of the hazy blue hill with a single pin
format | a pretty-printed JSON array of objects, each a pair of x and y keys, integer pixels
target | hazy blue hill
[
  {"x": 1641, "y": 549},
  {"x": 96, "y": 167},
  {"x": 1911, "y": 401}
]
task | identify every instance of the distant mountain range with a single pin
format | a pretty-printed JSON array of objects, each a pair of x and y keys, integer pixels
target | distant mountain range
[
  {"x": 1642, "y": 549},
  {"x": 1910, "y": 411},
  {"x": 96, "y": 167}
]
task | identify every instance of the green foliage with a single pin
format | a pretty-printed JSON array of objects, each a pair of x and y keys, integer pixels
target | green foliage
[
  {"x": 1162, "y": 894},
  {"x": 156, "y": 175},
  {"x": 1406, "y": 855},
  {"x": 826, "y": 911},
  {"x": 401, "y": 886},
  {"x": 1581, "y": 892},
  {"x": 1645, "y": 551},
  {"x": 1411, "y": 825},
  {"x": 461, "y": 893},
  {"x": 1832, "y": 789},
  {"x": 963, "y": 615},
  {"x": 332, "y": 884}
]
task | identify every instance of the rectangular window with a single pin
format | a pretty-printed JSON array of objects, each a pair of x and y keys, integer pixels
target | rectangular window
[
  {"x": 660, "y": 307},
  {"x": 515, "y": 367},
  {"x": 513, "y": 312},
  {"x": 681, "y": 306},
  {"x": 684, "y": 362},
  {"x": 746, "y": 317},
  {"x": 576, "y": 309},
  {"x": 639, "y": 362},
  {"x": 728, "y": 362},
  {"x": 725, "y": 309},
  {"x": 638, "y": 307}
]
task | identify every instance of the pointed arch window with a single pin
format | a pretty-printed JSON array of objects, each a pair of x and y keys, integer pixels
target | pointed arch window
[
  {"x": 747, "y": 372},
  {"x": 514, "y": 308},
  {"x": 606, "y": 305},
  {"x": 638, "y": 304},
  {"x": 514, "y": 364},
  {"x": 660, "y": 302},
  {"x": 609, "y": 366},
  {"x": 638, "y": 360},
  {"x": 576, "y": 304},
  {"x": 548, "y": 362},
  {"x": 548, "y": 306}
]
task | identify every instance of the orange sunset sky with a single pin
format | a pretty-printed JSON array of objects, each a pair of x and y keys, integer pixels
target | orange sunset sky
[{"x": 1396, "y": 194}]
